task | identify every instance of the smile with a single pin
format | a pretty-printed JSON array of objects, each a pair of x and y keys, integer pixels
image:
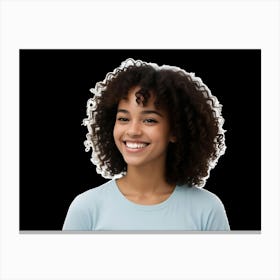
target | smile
[{"x": 135, "y": 145}]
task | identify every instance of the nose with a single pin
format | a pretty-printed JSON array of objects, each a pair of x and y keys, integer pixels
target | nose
[{"x": 134, "y": 129}]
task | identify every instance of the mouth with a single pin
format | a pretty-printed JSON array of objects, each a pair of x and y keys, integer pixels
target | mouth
[{"x": 135, "y": 145}]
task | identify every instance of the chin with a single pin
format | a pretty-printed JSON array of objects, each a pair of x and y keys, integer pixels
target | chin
[{"x": 134, "y": 163}]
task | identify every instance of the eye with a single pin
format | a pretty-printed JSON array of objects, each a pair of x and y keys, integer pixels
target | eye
[
  {"x": 122, "y": 119},
  {"x": 150, "y": 121}
]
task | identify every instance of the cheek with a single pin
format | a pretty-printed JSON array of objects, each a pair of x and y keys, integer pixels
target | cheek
[
  {"x": 117, "y": 132},
  {"x": 162, "y": 135}
]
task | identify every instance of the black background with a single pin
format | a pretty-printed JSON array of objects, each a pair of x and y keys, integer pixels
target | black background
[{"x": 54, "y": 89}]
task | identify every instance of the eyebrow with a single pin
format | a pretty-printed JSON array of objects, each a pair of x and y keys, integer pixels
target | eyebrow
[{"x": 144, "y": 112}]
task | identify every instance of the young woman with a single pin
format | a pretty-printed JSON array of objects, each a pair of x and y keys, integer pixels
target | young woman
[{"x": 155, "y": 131}]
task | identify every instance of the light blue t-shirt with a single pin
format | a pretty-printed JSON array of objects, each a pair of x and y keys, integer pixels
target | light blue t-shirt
[{"x": 106, "y": 208}]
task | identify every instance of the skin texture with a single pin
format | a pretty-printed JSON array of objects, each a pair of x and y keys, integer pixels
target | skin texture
[{"x": 142, "y": 134}]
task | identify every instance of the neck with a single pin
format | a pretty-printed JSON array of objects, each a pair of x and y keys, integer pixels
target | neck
[{"x": 144, "y": 180}]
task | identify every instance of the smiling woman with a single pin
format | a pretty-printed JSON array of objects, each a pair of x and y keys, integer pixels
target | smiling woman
[{"x": 155, "y": 132}]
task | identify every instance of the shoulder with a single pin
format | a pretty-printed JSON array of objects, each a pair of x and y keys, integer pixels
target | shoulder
[
  {"x": 206, "y": 207},
  {"x": 83, "y": 211},
  {"x": 200, "y": 197},
  {"x": 94, "y": 194}
]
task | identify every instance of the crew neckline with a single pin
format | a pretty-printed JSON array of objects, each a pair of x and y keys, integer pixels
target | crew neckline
[{"x": 142, "y": 206}]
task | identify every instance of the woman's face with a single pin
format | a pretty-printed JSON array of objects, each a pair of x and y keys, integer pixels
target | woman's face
[{"x": 142, "y": 133}]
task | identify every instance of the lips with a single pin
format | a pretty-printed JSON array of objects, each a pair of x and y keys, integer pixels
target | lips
[{"x": 135, "y": 145}]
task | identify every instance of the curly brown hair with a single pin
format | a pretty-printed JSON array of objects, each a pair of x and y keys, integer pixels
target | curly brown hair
[{"x": 195, "y": 118}]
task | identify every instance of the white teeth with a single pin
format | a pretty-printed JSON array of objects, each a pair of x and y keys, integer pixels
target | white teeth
[{"x": 132, "y": 145}]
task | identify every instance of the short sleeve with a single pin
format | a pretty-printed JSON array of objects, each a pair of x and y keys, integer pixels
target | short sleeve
[
  {"x": 217, "y": 218},
  {"x": 78, "y": 216}
]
